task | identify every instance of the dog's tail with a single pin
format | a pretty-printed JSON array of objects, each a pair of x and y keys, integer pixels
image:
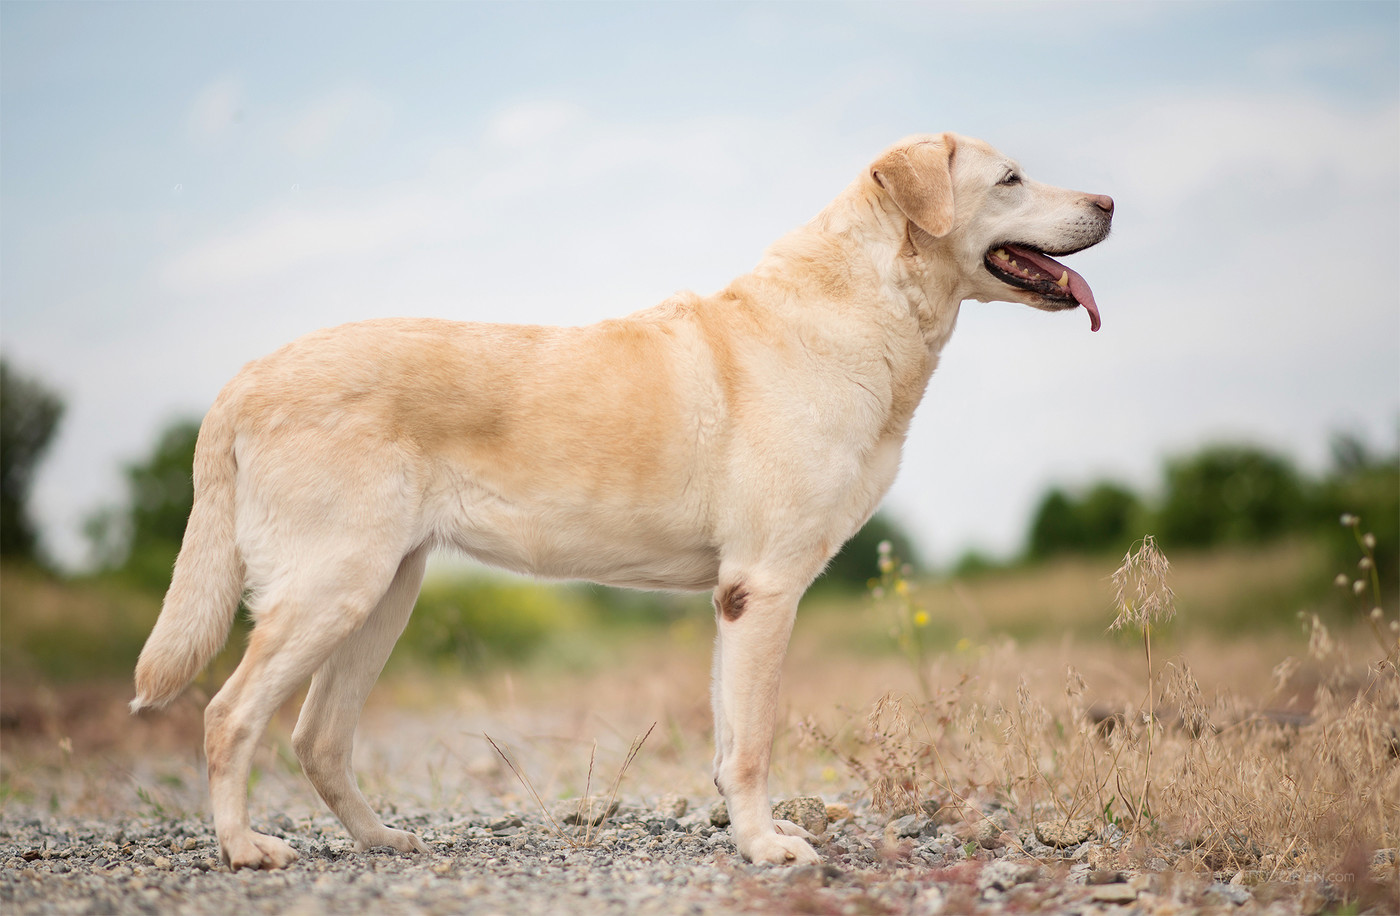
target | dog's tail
[{"x": 208, "y": 581}]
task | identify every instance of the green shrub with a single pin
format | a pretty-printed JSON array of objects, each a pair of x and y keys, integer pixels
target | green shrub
[
  {"x": 1231, "y": 494},
  {"x": 1103, "y": 519},
  {"x": 475, "y": 621}
]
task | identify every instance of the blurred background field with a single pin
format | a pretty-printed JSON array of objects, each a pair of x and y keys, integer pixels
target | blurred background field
[{"x": 1255, "y": 542}]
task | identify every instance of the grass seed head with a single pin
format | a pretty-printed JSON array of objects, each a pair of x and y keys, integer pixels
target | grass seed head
[{"x": 1141, "y": 592}]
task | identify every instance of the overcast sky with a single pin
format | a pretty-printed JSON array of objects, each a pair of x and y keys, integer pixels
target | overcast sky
[{"x": 186, "y": 187}]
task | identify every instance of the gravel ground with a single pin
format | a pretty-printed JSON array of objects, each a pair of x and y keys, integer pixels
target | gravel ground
[{"x": 641, "y": 860}]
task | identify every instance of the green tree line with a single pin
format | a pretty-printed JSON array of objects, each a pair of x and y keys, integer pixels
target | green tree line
[{"x": 1230, "y": 494}]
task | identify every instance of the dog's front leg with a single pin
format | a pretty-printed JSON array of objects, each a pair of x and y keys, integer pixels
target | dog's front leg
[{"x": 754, "y": 625}]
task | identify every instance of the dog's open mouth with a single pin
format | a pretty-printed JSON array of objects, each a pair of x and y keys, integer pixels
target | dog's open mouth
[{"x": 1037, "y": 272}]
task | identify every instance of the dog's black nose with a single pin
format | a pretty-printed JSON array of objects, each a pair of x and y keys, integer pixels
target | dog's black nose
[{"x": 1103, "y": 202}]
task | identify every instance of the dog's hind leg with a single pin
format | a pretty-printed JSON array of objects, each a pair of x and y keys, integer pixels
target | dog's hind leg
[
  {"x": 325, "y": 731},
  {"x": 297, "y": 630}
]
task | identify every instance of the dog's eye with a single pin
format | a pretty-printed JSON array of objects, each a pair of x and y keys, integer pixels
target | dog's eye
[{"x": 1010, "y": 179}]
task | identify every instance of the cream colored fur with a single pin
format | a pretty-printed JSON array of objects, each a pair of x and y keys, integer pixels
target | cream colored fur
[{"x": 732, "y": 442}]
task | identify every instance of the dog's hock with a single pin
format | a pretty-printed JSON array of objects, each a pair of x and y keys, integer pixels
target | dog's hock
[{"x": 918, "y": 176}]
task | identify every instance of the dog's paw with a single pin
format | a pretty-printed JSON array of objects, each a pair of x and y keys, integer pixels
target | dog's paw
[
  {"x": 256, "y": 850},
  {"x": 788, "y": 828},
  {"x": 401, "y": 840},
  {"x": 779, "y": 849}
]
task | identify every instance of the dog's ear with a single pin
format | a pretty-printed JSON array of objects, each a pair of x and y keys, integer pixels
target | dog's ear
[{"x": 919, "y": 179}]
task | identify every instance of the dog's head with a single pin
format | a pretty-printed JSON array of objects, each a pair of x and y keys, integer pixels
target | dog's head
[{"x": 969, "y": 204}]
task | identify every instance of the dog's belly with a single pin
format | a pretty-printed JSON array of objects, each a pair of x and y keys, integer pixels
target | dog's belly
[{"x": 630, "y": 547}]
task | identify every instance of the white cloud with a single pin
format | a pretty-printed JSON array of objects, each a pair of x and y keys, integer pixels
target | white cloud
[
  {"x": 529, "y": 123},
  {"x": 344, "y": 115},
  {"x": 285, "y": 239},
  {"x": 538, "y": 146}
]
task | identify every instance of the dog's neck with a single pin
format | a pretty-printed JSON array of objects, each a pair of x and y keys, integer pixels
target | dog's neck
[
  {"x": 859, "y": 253},
  {"x": 899, "y": 253}
]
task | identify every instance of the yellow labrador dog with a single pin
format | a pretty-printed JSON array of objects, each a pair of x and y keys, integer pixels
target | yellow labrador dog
[{"x": 732, "y": 442}]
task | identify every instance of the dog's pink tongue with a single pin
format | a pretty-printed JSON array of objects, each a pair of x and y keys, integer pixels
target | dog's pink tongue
[{"x": 1078, "y": 287}]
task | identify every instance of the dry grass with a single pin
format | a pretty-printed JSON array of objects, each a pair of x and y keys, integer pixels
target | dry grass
[
  {"x": 1275, "y": 785},
  {"x": 590, "y": 811}
]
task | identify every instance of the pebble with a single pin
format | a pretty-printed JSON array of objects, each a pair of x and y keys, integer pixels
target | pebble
[
  {"x": 989, "y": 834},
  {"x": 1062, "y": 834},
  {"x": 1003, "y": 875},
  {"x": 672, "y": 805},
  {"x": 908, "y": 826},
  {"x": 1219, "y": 893},
  {"x": 1114, "y": 893}
]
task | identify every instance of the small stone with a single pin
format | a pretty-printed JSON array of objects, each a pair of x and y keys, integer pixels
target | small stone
[
  {"x": 907, "y": 826},
  {"x": 672, "y": 805},
  {"x": 1061, "y": 834},
  {"x": 836, "y": 811},
  {"x": 1101, "y": 876},
  {"x": 589, "y": 811},
  {"x": 161, "y": 862},
  {"x": 988, "y": 834},
  {"x": 1114, "y": 893},
  {"x": 1218, "y": 894},
  {"x": 1003, "y": 875},
  {"x": 502, "y": 823},
  {"x": 806, "y": 811},
  {"x": 719, "y": 814}
]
